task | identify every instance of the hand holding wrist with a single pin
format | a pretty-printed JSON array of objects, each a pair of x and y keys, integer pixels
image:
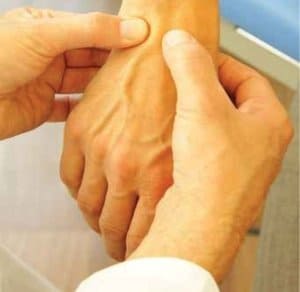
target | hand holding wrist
[
  {"x": 226, "y": 155},
  {"x": 47, "y": 52}
]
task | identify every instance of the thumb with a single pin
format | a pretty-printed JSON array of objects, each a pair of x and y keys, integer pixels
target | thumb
[
  {"x": 194, "y": 73},
  {"x": 92, "y": 30}
]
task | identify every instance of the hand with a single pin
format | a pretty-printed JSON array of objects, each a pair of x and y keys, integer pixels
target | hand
[
  {"x": 228, "y": 146},
  {"x": 117, "y": 158},
  {"x": 45, "y": 52}
]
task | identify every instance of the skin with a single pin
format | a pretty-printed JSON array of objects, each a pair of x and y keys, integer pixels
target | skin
[
  {"x": 117, "y": 156},
  {"x": 46, "y": 52},
  {"x": 229, "y": 140}
]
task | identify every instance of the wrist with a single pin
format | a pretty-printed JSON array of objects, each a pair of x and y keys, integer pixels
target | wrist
[
  {"x": 210, "y": 246},
  {"x": 200, "y": 18}
]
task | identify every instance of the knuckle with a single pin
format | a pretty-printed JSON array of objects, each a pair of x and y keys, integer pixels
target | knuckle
[
  {"x": 97, "y": 148},
  {"x": 88, "y": 208},
  {"x": 74, "y": 127},
  {"x": 120, "y": 193},
  {"x": 121, "y": 166},
  {"x": 95, "y": 20},
  {"x": 29, "y": 10},
  {"x": 280, "y": 135},
  {"x": 155, "y": 184},
  {"x": 111, "y": 231},
  {"x": 26, "y": 10},
  {"x": 283, "y": 125},
  {"x": 94, "y": 17},
  {"x": 287, "y": 130}
]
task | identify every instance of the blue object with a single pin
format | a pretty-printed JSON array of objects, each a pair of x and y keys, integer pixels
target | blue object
[{"x": 276, "y": 22}]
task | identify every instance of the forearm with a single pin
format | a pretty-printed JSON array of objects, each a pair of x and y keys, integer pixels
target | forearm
[{"x": 214, "y": 250}]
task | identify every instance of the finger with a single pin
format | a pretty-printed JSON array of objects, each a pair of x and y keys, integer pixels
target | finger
[
  {"x": 86, "y": 58},
  {"x": 241, "y": 81},
  {"x": 251, "y": 92},
  {"x": 76, "y": 80},
  {"x": 140, "y": 224},
  {"x": 194, "y": 73},
  {"x": 12, "y": 112},
  {"x": 115, "y": 221},
  {"x": 71, "y": 166},
  {"x": 151, "y": 189},
  {"x": 35, "y": 13},
  {"x": 61, "y": 110},
  {"x": 93, "y": 30},
  {"x": 92, "y": 192},
  {"x": 63, "y": 105}
]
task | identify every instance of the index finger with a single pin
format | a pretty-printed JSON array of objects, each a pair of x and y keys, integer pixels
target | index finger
[
  {"x": 242, "y": 82},
  {"x": 252, "y": 93},
  {"x": 26, "y": 13},
  {"x": 63, "y": 31}
]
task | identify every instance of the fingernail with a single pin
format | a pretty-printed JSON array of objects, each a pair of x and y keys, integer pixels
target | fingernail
[
  {"x": 134, "y": 29},
  {"x": 177, "y": 37}
]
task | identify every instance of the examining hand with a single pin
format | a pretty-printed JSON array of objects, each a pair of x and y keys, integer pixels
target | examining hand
[
  {"x": 228, "y": 146},
  {"x": 45, "y": 52},
  {"x": 117, "y": 158}
]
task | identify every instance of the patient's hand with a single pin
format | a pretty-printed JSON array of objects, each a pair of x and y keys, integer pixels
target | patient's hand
[
  {"x": 225, "y": 158},
  {"x": 117, "y": 158}
]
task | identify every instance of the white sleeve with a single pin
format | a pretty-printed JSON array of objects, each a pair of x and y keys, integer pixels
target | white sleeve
[{"x": 151, "y": 274}]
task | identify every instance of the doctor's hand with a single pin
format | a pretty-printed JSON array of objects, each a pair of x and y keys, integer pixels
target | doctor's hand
[
  {"x": 46, "y": 52},
  {"x": 228, "y": 145}
]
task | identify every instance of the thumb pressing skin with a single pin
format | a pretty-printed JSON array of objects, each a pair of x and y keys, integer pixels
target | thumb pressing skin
[
  {"x": 194, "y": 73},
  {"x": 92, "y": 30}
]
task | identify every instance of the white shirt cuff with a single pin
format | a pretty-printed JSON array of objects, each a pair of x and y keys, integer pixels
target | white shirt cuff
[{"x": 151, "y": 275}]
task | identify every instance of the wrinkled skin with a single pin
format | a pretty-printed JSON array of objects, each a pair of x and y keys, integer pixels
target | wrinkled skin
[
  {"x": 229, "y": 141},
  {"x": 44, "y": 52},
  {"x": 117, "y": 158}
]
